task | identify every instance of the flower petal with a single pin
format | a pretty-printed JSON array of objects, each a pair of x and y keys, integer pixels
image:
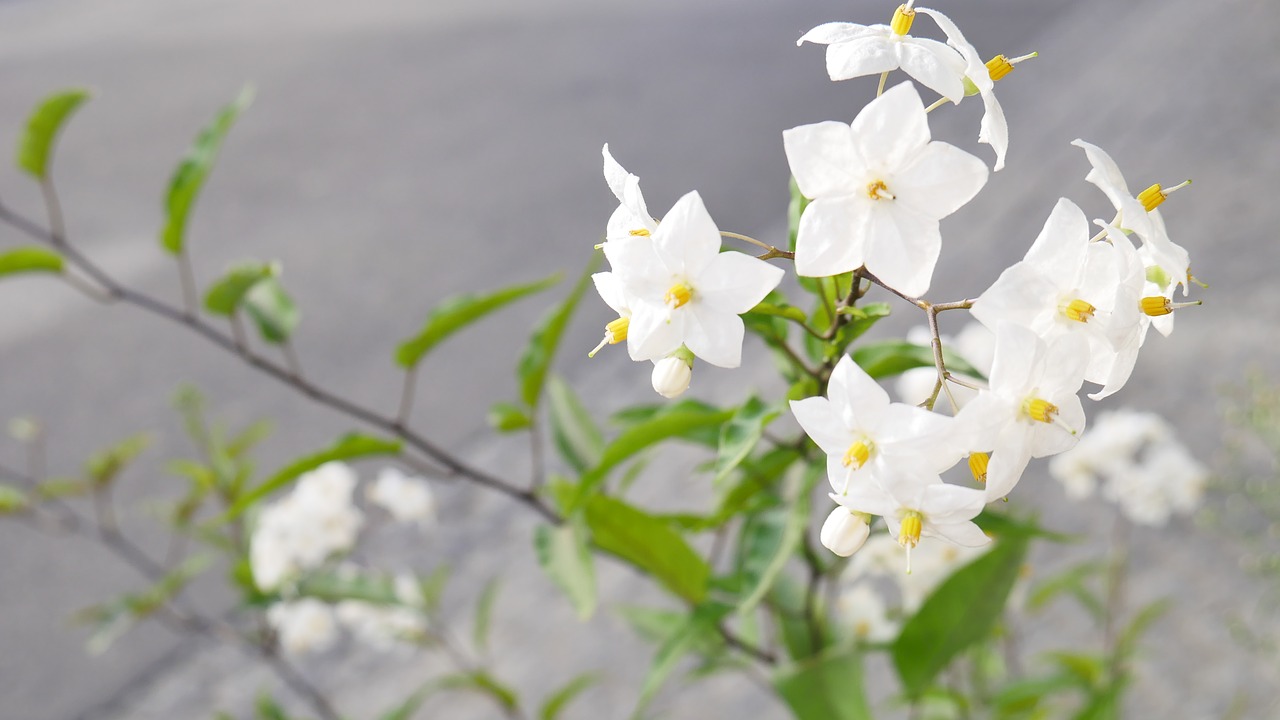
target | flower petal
[
  {"x": 1061, "y": 248},
  {"x": 734, "y": 282},
  {"x": 821, "y": 422},
  {"x": 638, "y": 267},
  {"x": 714, "y": 336},
  {"x": 1105, "y": 173},
  {"x": 1049, "y": 440},
  {"x": 614, "y": 174},
  {"x": 832, "y": 236},
  {"x": 994, "y": 129},
  {"x": 868, "y": 54},
  {"x": 612, "y": 292},
  {"x": 964, "y": 534},
  {"x": 891, "y": 129},
  {"x": 858, "y": 398},
  {"x": 688, "y": 239},
  {"x": 937, "y": 66},
  {"x": 942, "y": 503},
  {"x": 650, "y": 336},
  {"x": 1021, "y": 295},
  {"x": 823, "y": 159},
  {"x": 1018, "y": 352},
  {"x": 939, "y": 180},
  {"x": 834, "y": 32},
  {"x": 902, "y": 247},
  {"x": 1009, "y": 458}
]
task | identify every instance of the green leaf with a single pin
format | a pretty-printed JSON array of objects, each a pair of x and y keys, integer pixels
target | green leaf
[
  {"x": 193, "y": 171},
  {"x": 505, "y": 417},
  {"x": 105, "y": 465},
  {"x": 739, "y": 436},
  {"x": 455, "y": 313},
  {"x": 573, "y": 430},
  {"x": 861, "y": 319},
  {"x": 407, "y": 709},
  {"x": 12, "y": 500},
  {"x": 226, "y": 294},
  {"x": 534, "y": 364},
  {"x": 825, "y": 687},
  {"x": 478, "y": 681},
  {"x": 335, "y": 587},
  {"x": 557, "y": 702},
  {"x": 894, "y": 357},
  {"x": 432, "y": 587},
  {"x": 268, "y": 709},
  {"x": 764, "y": 560},
  {"x": 697, "y": 628},
  {"x": 35, "y": 147},
  {"x": 960, "y": 612},
  {"x": 272, "y": 310},
  {"x": 30, "y": 259},
  {"x": 484, "y": 613},
  {"x": 781, "y": 310},
  {"x": 351, "y": 446},
  {"x": 647, "y": 543},
  {"x": 563, "y": 553}
]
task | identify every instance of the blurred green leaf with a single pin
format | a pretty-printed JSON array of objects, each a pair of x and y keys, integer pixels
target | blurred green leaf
[
  {"x": 30, "y": 259},
  {"x": 505, "y": 417},
  {"x": 739, "y": 436},
  {"x": 268, "y": 709},
  {"x": 334, "y": 587},
  {"x": 480, "y": 682},
  {"x": 825, "y": 687},
  {"x": 861, "y": 319},
  {"x": 561, "y": 698},
  {"x": 894, "y": 357},
  {"x": 765, "y": 556},
  {"x": 960, "y": 612},
  {"x": 189, "y": 177},
  {"x": 105, "y": 465},
  {"x": 535, "y": 363},
  {"x": 12, "y": 500},
  {"x": 272, "y": 310},
  {"x": 35, "y": 147},
  {"x": 563, "y": 553},
  {"x": 484, "y": 613},
  {"x": 697, "y": 628},
  {"x": 647, "y": 543},
  {"x": 432, "y": 587},
  {"x": 225, "y": 294},
  {"x": 455, "y": 313},
  {"x": 575, "y": 433}
]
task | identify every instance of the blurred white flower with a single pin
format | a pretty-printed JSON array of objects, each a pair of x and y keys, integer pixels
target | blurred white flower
[
  {"x": 932, "y": 561},
  {"x": 407, "y": 498},
  {"x": 863, "y": 611},
  {"x": 382, "y": 626},
  {"x": 301, "y": 530},
  {"x": 304, "y": 626}
]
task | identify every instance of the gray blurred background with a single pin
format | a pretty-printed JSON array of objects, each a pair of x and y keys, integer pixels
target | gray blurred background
[{"x": 399, "y": 152}]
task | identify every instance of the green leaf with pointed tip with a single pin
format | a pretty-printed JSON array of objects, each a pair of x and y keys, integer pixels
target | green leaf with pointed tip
[
  {"x": 739, "y": 436},
  {"x": 30, "y": 259},
  {"x": 861, "y": 319},
  {"x": 35, "y": 147},
  {"x": 825, "y": 687},
  {"x": 272, "y": 310},
  {"x": 105, "y": 465},
  {"x": 894, "y": 357},
  {"x": 535, "y": 363},
  {"x": 505, "y": 417},
  {"x": 575, "y": 433},
  {"x": 225, "y": 295},
  {"x": 781, "y": 310},
  {"x": 648, "y": 543},
  {"x": 192, "y": 172},
  {"x": 563, "y": 553},
  {"x": 561, "y": 698},
  {"x": 455, "y": 313}
]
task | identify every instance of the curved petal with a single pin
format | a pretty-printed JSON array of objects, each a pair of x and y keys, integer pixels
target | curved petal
[
  {"x": 975, "y": 68},
  {"x": 1065, "y": 362},
  {"x": 1049, "y": 440},
  {"x": 1061, "y": 248},
  {"x": 869, "y": 54},
  {"x": 891, "y": 129},
  {"x": 964, "y": 534},
  {"x": 943, "y": 503},
  {"x": 903, "y": 247},
  {"x": 869, "y": 498},
  {"x": 832, "y": 236},
  {"x": 614, "y": 174},
  {"x": 821, "y": 422},
  {"x": 834, "y": 32},
  {"x": 994, "y": 129},
  {"x": 939, "y": 180},
  {"x": 713, "y": 335},
  {"x": 856, "y": 396},
  {"x": 1105, "y": 173},
  {"x": 638, "y": 267},
  {"x": 1021, "y": 295},
  {"x": 1008, "y": 460},
  {"x": 847, "y": 479},
  {"x": 654, "y": 333},
  {"x": 687, "y": 240},
  {"x": 612, "y": 292},
  {"x": 936, "y": 65},
  {"x": 1018, "y": 353},
  {"x": 734, "y": 282},
  {"x": 981, "y": 422},
  {"x": 823, "y": 159}
]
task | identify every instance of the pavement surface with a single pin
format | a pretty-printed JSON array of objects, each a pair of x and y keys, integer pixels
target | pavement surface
[{"x": 399, "y": 152}]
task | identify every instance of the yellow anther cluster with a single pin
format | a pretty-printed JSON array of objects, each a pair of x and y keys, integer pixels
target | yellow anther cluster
[
  {"x": 1156, "y": 306},
  {"x": 978, "y": 466},
  {"x": 616, "y": 331},
  {"x": 902, "y": 19},
  {"x": 857, "y": 455},
  {"x": 878, "y": 191},
  {"x": 909, "y": 531},
  {"x": 642, "y": 232},
  {"x": 1152, "y": 197},
  {"x": 998, "y": 67},
  {"x": 1078, "y": 310},
  {"x": 1039, "y": 410},
  {"x": 678, "y": 295}
]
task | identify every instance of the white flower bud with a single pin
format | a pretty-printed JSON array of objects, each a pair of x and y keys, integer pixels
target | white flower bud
[
  {"x": 671, "y": 377},
  {"x": 845, "y": 531}
]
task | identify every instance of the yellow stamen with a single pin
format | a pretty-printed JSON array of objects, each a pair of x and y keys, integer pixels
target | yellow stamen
[
  {"x": 1078, "y": 310},
  {"x": 909, "y": 530},
  {"x": 678, "y": 295},
  {"x": 642, "y": 232},
  {"x": 1156, "y": 306},
  {"x": 614, "y": 333},
  {"x": 978, "y": 466},
  {"x": 1152, "y": 197},
  {"x": 998, "y": 67},
  {"x": 879, "y": 191},
  {"x": 902, "y": 19},
  {"x": 1039, "y": 410},
  {"x": 857, "y": 455}
]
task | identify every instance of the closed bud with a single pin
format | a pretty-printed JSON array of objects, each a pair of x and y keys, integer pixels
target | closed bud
[
  {"x": 845, "y": 531},
  {"x": 671, "y": 376}
]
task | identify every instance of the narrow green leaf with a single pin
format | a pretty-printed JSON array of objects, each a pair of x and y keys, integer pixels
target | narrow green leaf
[
  {"x": 825, "y": 687},
  {"x": 348, "y": 447},
  {"x": 432, "y": 587},
  {"x": 407, "y": 709},
  {"x": 561, "y": 698},
  {"x": 35, "y": 147},
  {"x": 894, "y": 357},
  {"x": 768, "y": 559},
  {"x": 534, "y": 364},
  {"x": 12, "y": 500},
  {"x": 649, "y": 544},
  {"x": 455, "y": 313},
  {"x": 692, "y": 632},
  {"x": 573, "y": 430},
  {"x": 225, "y": 294},
  {"x": 484, "y": 613},
  {"x": 268, "y": 709},
  {"x": 272, "y": 310},
  {"x": 861, "y": 319},
  {"x": 105, "y": 465},
  {"x": 30, "y": 259},
  {"x": 563, "y": 553},
  {"x": 781, "y": 310},
  {"x": 739, "y": 436},
  {"x": 505, "y": 417},
  {"x": 478, "y": 681},
  {"x": 193, "y": 171},
  {"x": 960, "y": 612}
]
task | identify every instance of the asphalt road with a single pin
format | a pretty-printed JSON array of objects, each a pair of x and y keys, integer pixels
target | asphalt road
[{"x": 399, "y": 152}]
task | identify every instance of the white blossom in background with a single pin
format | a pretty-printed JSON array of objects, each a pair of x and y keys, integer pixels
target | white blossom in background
[
  {"x": 857, "y": 50},
  {"x": 975, "y": 343},
  {"x": 408, "y": 498},
  {"x": 865, "y": 614},
  {"x": 304, "y": 528},
  {"x": 685, "y": 291},
  {"x": 381, "y": 627},
  {"x": 880, "y": 186},
  {"x": 932, "y": 562},
  {"x": 304, "y": 626},
  {"x": 632, "y": 218}
]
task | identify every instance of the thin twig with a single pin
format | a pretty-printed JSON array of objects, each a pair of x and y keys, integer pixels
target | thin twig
[{"x": 188, "y": 277}]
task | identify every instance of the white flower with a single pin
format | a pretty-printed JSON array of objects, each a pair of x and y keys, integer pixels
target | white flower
[
  {"x": 381, "y": 626},
  {"x": 304, "y": 528},
  {"x": 407, "y": 498},
  {"x": 865, "y": 435},
  {"x": 671, "y": 376},
  {"x": 615, "y": 296},
  {"x": 1031, "y": 409},
  {"x": 932, "y": 562},
  {"x": 632, "y": 218},
  {"x": 305, "y": 626},
  {"x": 880, "y": 186},
  {"x": 863, "y": 611},
  {"x": 685, "y": 291},
  {"x": 1107, "y": 449},
  {"x": 844, "y": 532},
  {"x": 857, "y": 50}
]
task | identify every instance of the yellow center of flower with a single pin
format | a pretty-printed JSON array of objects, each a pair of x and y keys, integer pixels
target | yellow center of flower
[
  {"x": 909, "y": 531},
  {"x": 902, "y": 19},
  {"x": 1156, "y": 306},
  {"x": 879, "y": 191},
  {"x": 1152, "y": 197},
  {"x": 1039, "y": 410},
  {"x": 1077, "y": 310},
  {"x": 998, "y": 67},
  {"x": 857, "y": 455},
  {"x": 678, "y": 295},
  {"x": 616, "y": 331},
  {"x": 978, "y": 466},
  {"x": 642, "y": 232}
]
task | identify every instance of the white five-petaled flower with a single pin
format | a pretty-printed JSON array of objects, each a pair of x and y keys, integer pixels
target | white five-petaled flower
[
  {"x": 1031, "y": 410},
  {"x": 684, "y": 291},
  {"x": 866, "y": 436},
  {"x": 1140, "y": 214},
  {"x": 856, "y": 50},
  {"x": 304, "y": 626},
  {"x": 1068, "y": 285},
  {"x": 879, "y": 186},
  {"x": 632, "y": 216}
]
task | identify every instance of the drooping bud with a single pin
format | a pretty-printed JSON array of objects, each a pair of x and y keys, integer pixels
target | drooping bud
[
  {"x": 902, "y": 19},
  {"x": 671, "y": 376},
  {"x": 1078, "y": 310},
  {"x": 678, "y": 295},
  {"x": 978, "y": 462},
  {"x": 1039, "y": 410},
  {"x": 845, "y": 531}
]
